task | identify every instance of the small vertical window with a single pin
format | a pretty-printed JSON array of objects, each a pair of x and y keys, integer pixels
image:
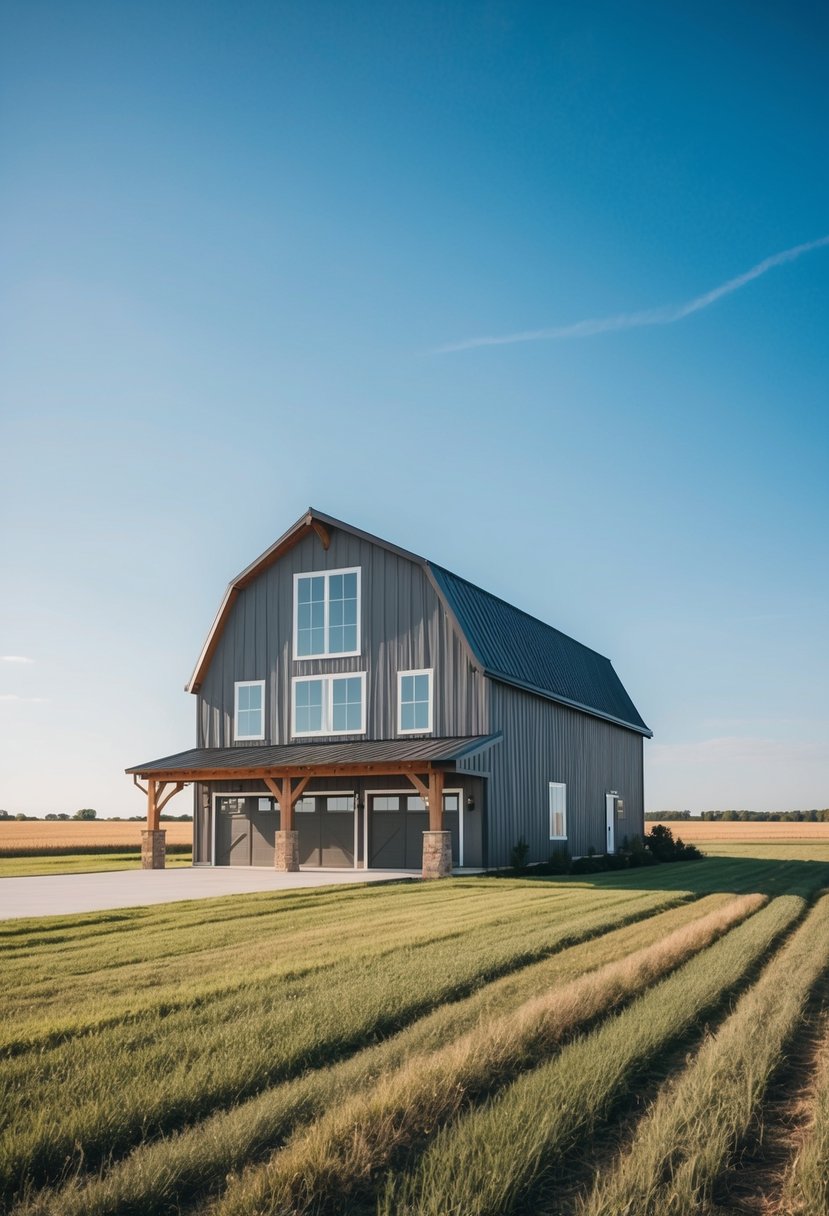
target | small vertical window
[
  {"x": 347, "y": 705},
  {"x": 310, "y": 615},
  {"x": 308, "y": 715},
  {"x": 249, "y": 715},
  {"x": 342, "y": 613},
  {"x": 558, "y": 810},
  {"x": 414, "y": 702}
]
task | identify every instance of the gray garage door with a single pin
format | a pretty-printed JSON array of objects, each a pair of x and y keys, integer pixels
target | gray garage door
[
  {"x": 396, "y": 826},
  {"x": 245, "y": 828},
  {"x": 326, "y": 830}
]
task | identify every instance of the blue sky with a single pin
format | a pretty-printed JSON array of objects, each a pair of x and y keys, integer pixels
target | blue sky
[{"x": 236, "y": 241}]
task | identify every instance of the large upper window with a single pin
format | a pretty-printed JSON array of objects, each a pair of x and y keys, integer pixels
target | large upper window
[
  {"x": 327, "y": 613},
  {"x": 249, "y": 710},
  {"x": 558, "y": 810},
  {"x": 414, "y": 702},
  {"x": 329, "y": 705}
]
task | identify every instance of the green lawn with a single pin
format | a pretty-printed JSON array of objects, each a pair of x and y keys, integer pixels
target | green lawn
[
  {"x": 78, "y": 863},
  {"x": 157, "y": 1059}
]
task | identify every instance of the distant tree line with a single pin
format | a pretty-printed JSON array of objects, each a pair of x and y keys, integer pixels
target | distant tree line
[
  {"x": 813, "y": 816},
  {"x": 88, "y": 812}
]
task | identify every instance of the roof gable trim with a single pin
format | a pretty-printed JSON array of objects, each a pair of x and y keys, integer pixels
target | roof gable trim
[{"x": 312, "y": 521}]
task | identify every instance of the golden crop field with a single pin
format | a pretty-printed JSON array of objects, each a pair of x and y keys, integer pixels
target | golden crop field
[
  {"x": 702, "y": 831},
  {"x": 42, "y": 834}
]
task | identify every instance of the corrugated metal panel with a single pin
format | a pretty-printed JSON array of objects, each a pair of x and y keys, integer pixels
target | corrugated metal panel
[
  {"x": 404, "y": 626},
  {"x": 516, "y": 648},
  {"x": 304, "y": 755},
  {"x": 544, "y": 742}
]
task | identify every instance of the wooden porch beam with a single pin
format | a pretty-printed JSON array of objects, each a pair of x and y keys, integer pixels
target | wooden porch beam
[
  {"x": 179, "y": 786},
  {"x": 152, "y": 806},
  {"x": 297, "y": 793},
  {"x": 419, "y": 785},
  {"x": 435, "y": 800},
  {"x": 275, "y": 789},
  {"x": 278, "y": 774},
  {"x": 286, "y": 807}
]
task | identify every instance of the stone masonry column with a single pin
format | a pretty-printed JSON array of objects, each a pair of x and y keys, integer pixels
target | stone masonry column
[
  {"x": 153, "y": 848},
  {"x": 437, "y": 854},
  {"x": 286, "y": 852}
]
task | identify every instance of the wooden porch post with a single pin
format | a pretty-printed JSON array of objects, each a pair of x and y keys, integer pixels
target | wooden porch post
[
  {"x": 153, "y": 840},
  {"x": 437, "y": 844},
  {"x": 286, "y": 839}
]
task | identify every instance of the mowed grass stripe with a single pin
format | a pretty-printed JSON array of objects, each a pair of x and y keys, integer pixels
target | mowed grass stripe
[
  {"x": 207, "y": 940},
  {"x": 505, "y": 1156},
  {"x": 333, "y": 1164},
  {"x": 100, "y": 1094},
  {"x": 159, "y": 1177},
  {"x": 695, "y": 1127},
  {"x": 297, "y": 946},
  {"x": 193, "y": 941},
  {"x": 274, "y": 961}
]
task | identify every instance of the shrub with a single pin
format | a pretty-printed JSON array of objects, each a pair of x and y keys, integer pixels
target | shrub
[
  {"x": 519, "y": 855},
  {"x": 558, "y": 862},
  {"x": 660, "y": 841}
]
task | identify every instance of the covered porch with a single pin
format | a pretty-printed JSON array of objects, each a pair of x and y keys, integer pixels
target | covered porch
[{"x": 364, "y": 804}]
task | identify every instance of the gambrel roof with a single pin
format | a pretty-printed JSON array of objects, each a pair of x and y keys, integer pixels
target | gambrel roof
[
  {"x": 518, "y": 649},
  {"x": 507, "y": 644}
]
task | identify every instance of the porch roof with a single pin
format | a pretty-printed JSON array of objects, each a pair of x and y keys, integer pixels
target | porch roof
[{"x": 408, "y": 754}]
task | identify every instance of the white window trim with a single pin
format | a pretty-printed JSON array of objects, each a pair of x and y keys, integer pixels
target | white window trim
[
  {"x": 557, "y": 785},
  {"x": 417, "y": 730},
  {"x": 237, "y": 738},
  {"x": 327, "y": 654},
  {"x": 328, "y": 704}
]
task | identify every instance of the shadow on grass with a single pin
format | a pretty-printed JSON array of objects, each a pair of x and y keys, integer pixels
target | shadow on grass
[{"x": 769, "y": 876}]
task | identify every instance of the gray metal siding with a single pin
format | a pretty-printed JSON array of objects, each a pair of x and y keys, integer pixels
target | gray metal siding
[
  {"x": 404, "y": 626},
  {"x": 545, "y": 742}
]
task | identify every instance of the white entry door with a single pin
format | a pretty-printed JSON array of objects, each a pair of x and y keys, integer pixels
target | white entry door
[{"x": 610, "y": 812}]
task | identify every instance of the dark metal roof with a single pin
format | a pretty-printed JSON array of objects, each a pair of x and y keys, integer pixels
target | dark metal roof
[
  {"x": 310, "y": 755},
  {"x": 518, "y": 649}
]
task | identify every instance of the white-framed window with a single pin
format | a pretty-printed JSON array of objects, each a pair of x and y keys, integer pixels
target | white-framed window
[
  {"x": 558, "y": 810},
  {"x": 249, "y": 710},
  {"x": 327, "y": 613},
  {"x": 329, "y": 705},
  {"x": 414, "y": 702}
]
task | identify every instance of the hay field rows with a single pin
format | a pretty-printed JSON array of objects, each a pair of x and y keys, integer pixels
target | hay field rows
[
  {"x": 585, "y": 1047},
  {"x": 710, "y": 831},
  {"x": 34, "y": 835}
]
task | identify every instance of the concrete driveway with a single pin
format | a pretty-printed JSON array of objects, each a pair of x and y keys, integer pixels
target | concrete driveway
[{"x": 59, "y": 894}]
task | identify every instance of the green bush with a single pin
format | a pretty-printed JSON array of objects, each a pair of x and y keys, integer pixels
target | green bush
[
  {"x": 519, "y": 855},
  {"x": 660, "y": 840},
  {"x": 558, "y": 862}
]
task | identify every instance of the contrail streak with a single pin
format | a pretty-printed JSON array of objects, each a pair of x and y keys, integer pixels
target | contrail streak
[{"x": 665, "y": 315}]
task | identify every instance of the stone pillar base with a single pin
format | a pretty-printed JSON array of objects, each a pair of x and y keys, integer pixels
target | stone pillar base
[
  {"x": 286, "y": 852},
  {"x": 437, "y": 854},
  {"x": 153, "y": 848}
]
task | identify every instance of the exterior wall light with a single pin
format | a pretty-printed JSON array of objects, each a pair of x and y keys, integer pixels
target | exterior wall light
[{"x": 470, "y": 802}]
